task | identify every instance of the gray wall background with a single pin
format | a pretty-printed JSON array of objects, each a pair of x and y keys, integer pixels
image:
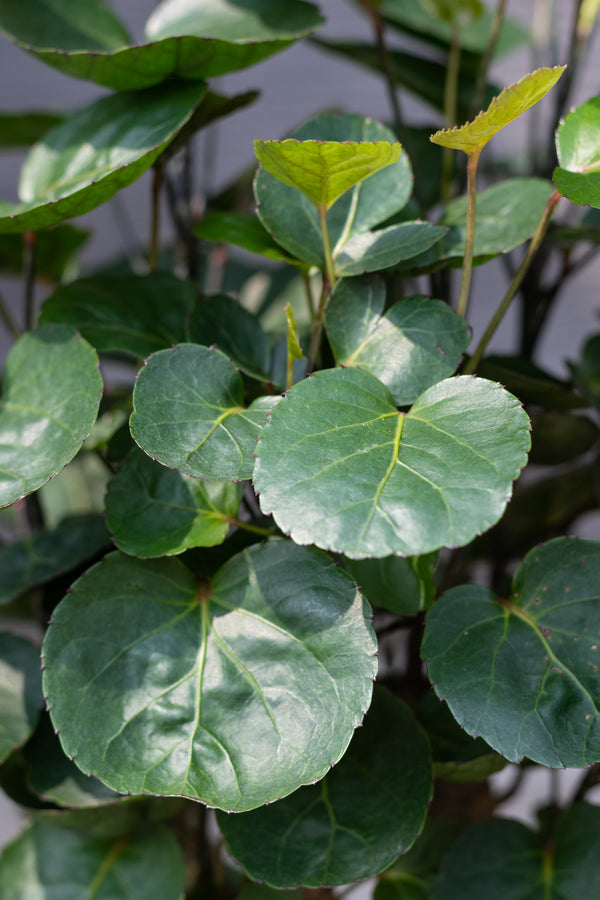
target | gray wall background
[{"x": 295, "y": 85}]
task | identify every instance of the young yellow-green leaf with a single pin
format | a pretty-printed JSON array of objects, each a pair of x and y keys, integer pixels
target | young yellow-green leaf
[
  {"x": 507, "y": 106},
  {"x": 458, "y": 12},
  {"x": 577, "y": 145},
  {"x": 294, "y": 349},
  {"x": 324, "y": 170}
]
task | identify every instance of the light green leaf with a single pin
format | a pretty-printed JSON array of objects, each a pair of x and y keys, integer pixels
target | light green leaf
[
  {"x": 135, "y": 314},
  {"x": 512, "y": 102},
  {"x": 240, "y": 689},
  {"x": 356, "y": 821},
  {"x": 294, "y": 350},
  {"x": 222, "y": 322},
  {"x": 531, "y": 688},
  {"x": 50, "y": 861},
  {"x": 188, "y": 414},
  {"x": 578, "y": 174},
  {"x": 94, "y": 153},
  {"x": 292, "y": 219},
  {"x": 20, "y": 692},
  {"x": 340, "y": 467},
  {"x": 241, "y": 231},
  {"x": 457, "y": 12},
  {"x": 324, "y": 170},
  {"x": 43, "y": 555},
  {"x": 185, "y": 39},
  {"x": 403, "y": 585},
  {"x": 506, "y": 860},
  {"x": 370, "y": 251},
  {"x": 414, "y": 344},
  {"x": 155, "y": 511},
  {"x": 52, "y": 389}
]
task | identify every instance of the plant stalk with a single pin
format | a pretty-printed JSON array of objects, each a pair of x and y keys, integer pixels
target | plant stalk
[
  {"x": 465, "y": 284},
  {"x": 157, "y": 182},
  {"x": 7, "y": 318},
  {"x": 533, "y": 248},
  {"x": 327, "y": 246}
]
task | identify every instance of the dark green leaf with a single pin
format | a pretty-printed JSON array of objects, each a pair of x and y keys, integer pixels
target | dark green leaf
[
  {"x": 53, "y": 24},
  {"x": 45, "y": 554},
  {"x": 291, "y": 218},
  {"x": 507, "y": 861},
  {"x": 558, "y": 437},
  {"x": 586, "y": 373},
  {"x": 54, "y": 250},
  {"x": 411, "y": 346},
  {"x": 51, "y": 391},
  {"x": 222, "y": 322},
  {"x": 23, "y": 129},
  {"x": 20, "y": 692},
  {"x": 189, "y": 414},
  {"x": 531, "y": 384},
  {"x": 135, "y": 314},
  {"x": 523, "y": 673},
  {"x": 94, "y": 153},
  {"x": 370, "y": 251},
  {"x": 239, "y": 689},
  {"x": 241, "y": 231},
  {"x": 352, "y": 824},
  {"x": 413, "y": 875},
  {"x": 404, "y": 585},
  {"x": 578, "y": 174},
  {"x": 340, "y": 467},
  {"x": 155, "y": 511},
  {"x": 48, "y": 861}
]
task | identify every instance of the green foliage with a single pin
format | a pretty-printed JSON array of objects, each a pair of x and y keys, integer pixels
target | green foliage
[{"x": 302, "y": 428}]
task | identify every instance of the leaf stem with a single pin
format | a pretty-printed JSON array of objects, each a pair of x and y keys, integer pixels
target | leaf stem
[
  {"x": 315, "y": 337},
  {"x": 255, "y": 529},
  {"x": 322, "y": 210},
  {"x": 488, "y": 56},
  {"x": 309, "y": 297},
  {"x": 157, "y": 182},
  {"x": 536, "y": 240},
  {"x": 463, "y": 299},
  {"x": 7, "y": 318},
  {"x": 450, "y": 101}
]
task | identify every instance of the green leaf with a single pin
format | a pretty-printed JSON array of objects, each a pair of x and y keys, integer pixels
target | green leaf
[
  {"x": 578, "y": 174},
  {"x": 531, "y": 685},
  {"x": 370, "y": 251},
  {"x": 409, "y": 347},
  {"x": 340, "y": 467},
  {"x": 531, "y": 384},
  {"x": 20, "y": 692},
  {"x": 512, "y": 102},
  {"x": 154, "y": 511},
  {"x": 402, "y": 585},
  {"x": 413, "y": 875},
  {"x": 220, "y": 321},
  {"x": 185, "y": 40},
  {"x": 51, "y": 391},
  {"x": 324, "y": 170},
  {"x": 507, "y": 215},
  {"x": 292, "y": 219},
  {"x": 135, "y": 314},
  {"x": 586, "y": 373},
  {"x": 54, "y": 777},
  {"x": 558, "y": 437},
  {"x": 54, "y": 251},
  {"x": 43, "y": 555},
  {"x": 240, "y": 689},
  {"x": 189, "y": 415},
  {"x": 241, "y": 231},
  {"x": 294, "y": 350},
  {"x": 506, "y": 860},
  {"x": 49, "y": 861},
  {"x": 94, "y": 153},
  {"x": 352, "y": 824},
  {"x": 23, "y": 129}
]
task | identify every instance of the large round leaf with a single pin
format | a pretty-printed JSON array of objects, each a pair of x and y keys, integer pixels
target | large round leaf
[
  {"x": 356, "y": 821},
  {"x": 155, "y": 511},
  {"x": 185, "y": 39},
  {"x": 20, "y": 692},
  {"x": 48, "y": 861},
  {"x": 52, "y": 389},
  {"x": 189, "y": 414},
  {"x": 238, "y": 689},
  {"x": 340, "y": 467},
  {"x": 94, "y": 153},
  {"x": 578, "y": 176},
  {"x": 531, "y": 685},
  {"x": 416, "y": 343},
  {"x": 507, "y": 861}
]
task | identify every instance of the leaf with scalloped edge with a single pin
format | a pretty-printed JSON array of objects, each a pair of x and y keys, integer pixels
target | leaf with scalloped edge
[
  {"x": 188, "y": 414},
  {"x": 531, "y": 686},
  {"x": 240, "y": 688},
  {"x": 507, "y": 106},
  {"x": 577, "y": 176}
]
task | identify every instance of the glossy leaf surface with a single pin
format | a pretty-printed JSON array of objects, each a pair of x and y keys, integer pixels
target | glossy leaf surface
[
  {"x": 292, "y": 219},
  {"x": 414, "y": 344},
  {"x": 155, "y": 511},
  {"x": 506, "y": 860},
  {"x": 94, "y": 153},
  {"x": 20, "y": 692},
  {"x": 578, "y": 174},
  {"x": 43, "y": 555},
  {"x": 340, "y": 467},
  {"x": 220, "y": 321},
  {"x": 52, "y": 388},
  {"x": 135, "y": 314},
  {"x": 189, "y": 414},
  {"x": 512, "y": 102},
  {"x": 240, "y": 689},
  {"x": 352, "y": 824},
  {"x": 531, "y": 685},
  {"x": 370, "y": 251},
  {"x": 68, "y": 26},
  {"x": 49, "y": 861}
]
